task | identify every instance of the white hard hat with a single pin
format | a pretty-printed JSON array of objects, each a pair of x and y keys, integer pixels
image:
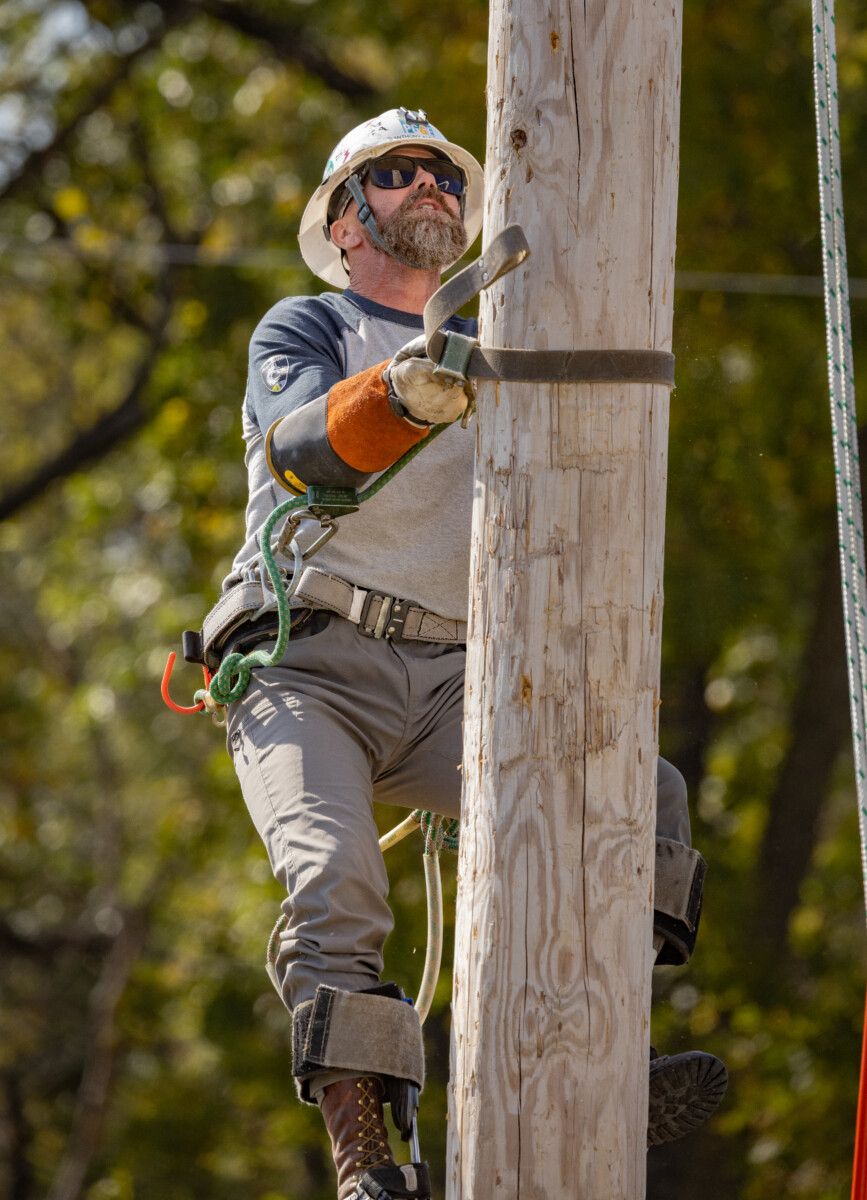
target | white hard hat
[{"x": 396, "y": 127}]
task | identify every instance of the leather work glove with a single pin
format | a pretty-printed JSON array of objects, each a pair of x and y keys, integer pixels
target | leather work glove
[{"x": 416, "y": 394}]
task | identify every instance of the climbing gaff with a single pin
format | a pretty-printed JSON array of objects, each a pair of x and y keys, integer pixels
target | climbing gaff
[{"x": 164, "y": 688}]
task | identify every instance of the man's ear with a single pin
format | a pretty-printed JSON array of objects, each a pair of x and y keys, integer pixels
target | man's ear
[{"x": 346, "y": 233}]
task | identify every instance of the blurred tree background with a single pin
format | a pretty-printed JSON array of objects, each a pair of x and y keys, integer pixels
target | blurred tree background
[{"x": 155, "y": 159}]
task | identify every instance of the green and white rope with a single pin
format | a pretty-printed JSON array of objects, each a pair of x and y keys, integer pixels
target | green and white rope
[
  {"x": 841, "y": 380},
  {"x": 440, "y": 833}
]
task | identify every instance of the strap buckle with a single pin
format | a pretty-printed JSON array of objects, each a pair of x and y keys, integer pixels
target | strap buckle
[
  {"x": 455, "y": 358},
  {"x": 390, "y": 619}
]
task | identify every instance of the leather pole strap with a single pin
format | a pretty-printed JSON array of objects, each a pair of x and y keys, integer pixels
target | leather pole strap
[{"x": 506, "y": 252}]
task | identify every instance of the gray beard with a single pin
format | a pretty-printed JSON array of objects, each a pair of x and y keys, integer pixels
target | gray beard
[{"x": 421, "y": 237}]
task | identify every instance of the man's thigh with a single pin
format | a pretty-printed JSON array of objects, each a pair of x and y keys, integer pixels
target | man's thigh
[
  {"x": 426, "y": 773},
  {"x": 430, "y": 778},
  {"x": 305, "y": 772}
]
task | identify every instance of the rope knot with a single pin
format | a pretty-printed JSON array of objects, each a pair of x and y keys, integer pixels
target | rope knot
[{"x": 440, "y": 833}]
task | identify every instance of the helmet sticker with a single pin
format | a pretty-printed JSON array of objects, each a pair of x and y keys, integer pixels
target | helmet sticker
[
  {"x": 275, "y": 372},
  {"x": 337, "y": 161},
  {"x": 415, "y": 130}
]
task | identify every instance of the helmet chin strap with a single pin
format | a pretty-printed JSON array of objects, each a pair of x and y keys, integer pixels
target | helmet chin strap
[{"x": 368, "y": 220}]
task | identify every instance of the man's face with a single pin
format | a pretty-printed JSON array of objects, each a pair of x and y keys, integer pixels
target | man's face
[{"x": 421, "y": 224}]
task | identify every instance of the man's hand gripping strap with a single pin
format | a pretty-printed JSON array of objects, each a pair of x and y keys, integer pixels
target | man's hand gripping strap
[
  {"x": 677, "y": 892},
  {"x": 357, "y": 1031}
]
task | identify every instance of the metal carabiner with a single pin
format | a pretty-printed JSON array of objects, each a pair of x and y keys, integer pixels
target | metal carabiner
[{"x": 330, "y": 526}]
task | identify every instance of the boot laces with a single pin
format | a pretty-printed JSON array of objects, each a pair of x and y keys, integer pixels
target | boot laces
[{"x": 373, "y": 1151}]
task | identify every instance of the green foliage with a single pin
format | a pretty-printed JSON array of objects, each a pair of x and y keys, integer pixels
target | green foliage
[{"x": 157, "y": 161}]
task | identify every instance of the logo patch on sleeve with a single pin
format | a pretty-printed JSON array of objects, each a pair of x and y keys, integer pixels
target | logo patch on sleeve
[{"x": 275, "y": 372}]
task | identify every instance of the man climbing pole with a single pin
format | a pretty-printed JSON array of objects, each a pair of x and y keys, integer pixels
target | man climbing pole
[{"x": 367, "y": 701}]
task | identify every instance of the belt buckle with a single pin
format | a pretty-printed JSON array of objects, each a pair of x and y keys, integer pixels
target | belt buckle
[{"x": 390, "y": 620}]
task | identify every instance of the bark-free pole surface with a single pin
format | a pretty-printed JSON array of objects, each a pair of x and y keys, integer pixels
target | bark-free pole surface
[{"x": 553, "y": 942}]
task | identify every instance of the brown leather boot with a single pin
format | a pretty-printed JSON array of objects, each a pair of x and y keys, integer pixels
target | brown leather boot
[{"x": 352, "y": 1109}]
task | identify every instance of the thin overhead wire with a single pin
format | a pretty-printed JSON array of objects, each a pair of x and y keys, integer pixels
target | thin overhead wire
[{"x": 152, "y": 255}]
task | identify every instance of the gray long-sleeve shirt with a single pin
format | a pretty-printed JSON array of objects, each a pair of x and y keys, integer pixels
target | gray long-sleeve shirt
[{"x": 412, "y": 538}]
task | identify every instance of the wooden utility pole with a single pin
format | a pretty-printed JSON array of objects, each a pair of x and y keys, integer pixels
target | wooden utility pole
[{"x": 553, "y": 945}]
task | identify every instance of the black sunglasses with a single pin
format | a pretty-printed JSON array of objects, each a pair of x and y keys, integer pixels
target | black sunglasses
[{"x": 399, "y": 170}]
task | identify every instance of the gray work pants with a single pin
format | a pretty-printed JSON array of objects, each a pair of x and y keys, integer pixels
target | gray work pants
[{"x": 342, "y": 721}]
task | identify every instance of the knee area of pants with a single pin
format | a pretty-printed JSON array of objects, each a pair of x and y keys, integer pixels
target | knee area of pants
[{"x": 670, "y": 784}]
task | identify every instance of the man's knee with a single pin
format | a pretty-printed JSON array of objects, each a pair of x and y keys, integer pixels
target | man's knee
[
  {"x": 680, "y": 871},
  {"x": 672, "y": 807},
  {"x": 677, "y": 896}
]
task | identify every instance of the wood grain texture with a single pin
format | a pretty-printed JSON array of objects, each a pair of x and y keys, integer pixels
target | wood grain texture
[{"x": 553, "y": 943}]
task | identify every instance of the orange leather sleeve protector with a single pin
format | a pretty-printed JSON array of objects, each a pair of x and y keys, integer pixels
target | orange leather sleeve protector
[{"x": 362, "y": 427}]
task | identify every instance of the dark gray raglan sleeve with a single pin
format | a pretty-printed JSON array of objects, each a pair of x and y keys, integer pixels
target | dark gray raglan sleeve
[{"x": 295, "y": 361}]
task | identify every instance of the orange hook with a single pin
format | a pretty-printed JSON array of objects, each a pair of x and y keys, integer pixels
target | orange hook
[{"x": 164, "y": 688}]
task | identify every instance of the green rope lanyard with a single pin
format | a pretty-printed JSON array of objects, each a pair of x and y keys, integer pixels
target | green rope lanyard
[{"x": 231, "y": 680}]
